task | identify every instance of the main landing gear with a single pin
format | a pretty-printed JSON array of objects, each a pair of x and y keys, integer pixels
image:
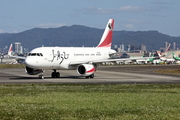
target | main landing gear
[
  {"x": 90, "y": 76},
  {"x": 55, "y": 74}
]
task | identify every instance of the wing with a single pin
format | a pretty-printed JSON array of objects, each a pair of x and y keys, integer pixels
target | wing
[
  {"x": 18, "y": 57},
  {"x": 108, "y": 60}
]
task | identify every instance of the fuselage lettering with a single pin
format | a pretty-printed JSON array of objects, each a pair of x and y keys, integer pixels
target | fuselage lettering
[{"x": 59, "y": 56}]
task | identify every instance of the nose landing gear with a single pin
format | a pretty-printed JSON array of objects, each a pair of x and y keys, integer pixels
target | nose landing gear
[{"x": 41, "y": 76}]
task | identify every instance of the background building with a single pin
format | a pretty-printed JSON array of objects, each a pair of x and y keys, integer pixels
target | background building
[
  {"x": 174, "y": 45},
  {"x": 143, "y": 47},
  {"x": 18, "y": 49},
  {"x": 122, "y": 47}
]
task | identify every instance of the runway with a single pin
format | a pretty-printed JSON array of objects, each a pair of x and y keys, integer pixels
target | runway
[{"x": 104, "y": 75}]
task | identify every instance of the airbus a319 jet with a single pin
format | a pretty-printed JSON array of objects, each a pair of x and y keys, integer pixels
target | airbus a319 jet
[{"x": 84, "y": 60}]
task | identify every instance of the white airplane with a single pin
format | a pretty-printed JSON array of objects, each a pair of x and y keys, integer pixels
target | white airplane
[
  {"x": 83, "y": 59},
  {"x": 163, "y": 58}
]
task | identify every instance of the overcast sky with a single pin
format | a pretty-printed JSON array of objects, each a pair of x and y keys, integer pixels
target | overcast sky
[{"x": 131, "y": 15}]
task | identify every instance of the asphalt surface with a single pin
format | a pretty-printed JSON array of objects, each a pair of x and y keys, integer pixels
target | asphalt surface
[{"x": 130, "y": 74}]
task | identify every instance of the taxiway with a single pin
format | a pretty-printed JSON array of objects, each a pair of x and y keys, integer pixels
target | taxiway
[{"x": 104, "y": 74}]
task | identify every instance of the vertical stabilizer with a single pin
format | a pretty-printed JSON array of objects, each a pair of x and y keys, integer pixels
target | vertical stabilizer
[
  {"x": 106, "y": 40},
  {"x": 10, "y": 50},
  {"x": 167, "y": 49},
  {"x": 165, "y": 53}
]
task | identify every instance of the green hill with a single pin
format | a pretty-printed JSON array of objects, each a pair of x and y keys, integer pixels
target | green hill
[{"x": 78, "y": 35}]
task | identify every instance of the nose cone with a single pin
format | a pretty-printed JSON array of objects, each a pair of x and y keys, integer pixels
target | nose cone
[{"x": 30, "y": 62}]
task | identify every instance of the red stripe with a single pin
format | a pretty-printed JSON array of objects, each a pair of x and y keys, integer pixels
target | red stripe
[
  {"x": 107, "y": 41},
  {"x": 92, "y": 70}
]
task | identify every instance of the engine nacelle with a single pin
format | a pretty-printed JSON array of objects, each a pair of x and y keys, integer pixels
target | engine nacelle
[
  {"x": 32, "y": 71},
  {"x": 86, "y": 69}
]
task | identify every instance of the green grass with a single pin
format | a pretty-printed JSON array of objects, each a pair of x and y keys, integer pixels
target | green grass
[
  {"x": 12, "y": 65},
  {"x": 101, "y": 101}
]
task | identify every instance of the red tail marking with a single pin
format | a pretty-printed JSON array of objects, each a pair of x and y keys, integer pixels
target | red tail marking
[
  {"x": 107, "y": 42},
  {"x": 168, "y": 48},
  {"x": 107, "y": 36},
  {"x": 10, "y": 48}
]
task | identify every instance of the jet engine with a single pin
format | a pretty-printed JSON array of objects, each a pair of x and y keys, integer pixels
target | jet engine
[
  {"x": 85, "y": 69},
  {"x": 32, "y": 71}
]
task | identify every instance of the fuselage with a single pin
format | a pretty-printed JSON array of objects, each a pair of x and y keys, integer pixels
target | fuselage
[{"x": 61, "y": 57}]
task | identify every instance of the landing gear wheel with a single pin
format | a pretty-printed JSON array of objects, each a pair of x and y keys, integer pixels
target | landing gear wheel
[
  {"x": 55, "y": 75},
  {"x": 41, "y": 77},
  {"x": 91, "y": 76}
]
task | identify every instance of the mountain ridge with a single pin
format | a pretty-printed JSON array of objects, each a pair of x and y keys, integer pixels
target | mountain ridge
[{"x": 79, "y": 35}]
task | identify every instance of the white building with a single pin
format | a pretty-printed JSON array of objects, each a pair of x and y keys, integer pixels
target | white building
[{"x": 18, "y": 48}]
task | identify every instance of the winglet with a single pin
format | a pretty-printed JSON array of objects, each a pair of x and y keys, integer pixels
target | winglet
[
  {"x": 106, "y": 40},
  {"x": 10, "y": 50}
]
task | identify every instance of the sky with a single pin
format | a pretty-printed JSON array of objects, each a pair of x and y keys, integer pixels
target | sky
[{"x": 130, "y": 15}]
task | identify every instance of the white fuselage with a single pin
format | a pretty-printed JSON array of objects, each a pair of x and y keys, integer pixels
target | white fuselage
[{"x": 62, "y": 57}]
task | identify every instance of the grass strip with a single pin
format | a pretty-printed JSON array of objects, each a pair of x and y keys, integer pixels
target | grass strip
[
  {"x": 12, "y": 65},
  {"x": 101, "y": 101},
  {"x": 169, "y": 71}
]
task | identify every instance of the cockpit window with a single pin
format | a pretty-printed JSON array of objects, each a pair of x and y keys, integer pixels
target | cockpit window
[
  {"x": 29, "y": 54},
  {"x": 35, "y": 54}
]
